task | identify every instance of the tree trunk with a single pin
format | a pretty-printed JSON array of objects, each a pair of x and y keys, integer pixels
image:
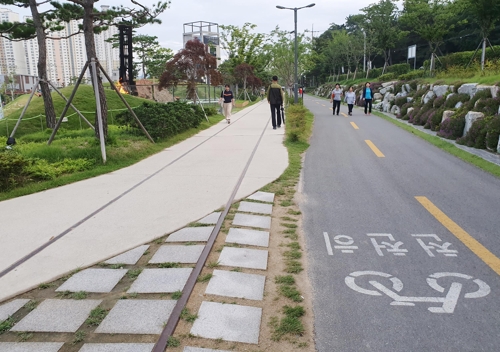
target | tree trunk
[
  {"x": 88, "y": 32},
  {"x": 50, "y": 114}
]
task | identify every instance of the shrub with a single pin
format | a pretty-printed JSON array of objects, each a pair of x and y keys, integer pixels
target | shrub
[
  {"x": 493, "y": 133},
  {"x": 12, "y": 171},
  {"x": 374, "y": 73},
  {"x": 411, "y": 116},
  {"x": 398, "y": 69},
  {"x": 419, "y": 94},
  {"x": 295, "y": 123},
  {"x": 434, "y": 119},
  {"x": 455, "y": 99},
  {"x": 422, "y": 115},
  {"x": 413, "y": 84},
  {"x": 211, "y": 110},
  {"x": 41, "y": 169},
  {"x": 453, "y": 127},
  {"x": 482, "y": 94},
  {"x": 463, "y": 58},
  {"x": 400, "y": 101},
  {"x": 404, "y": 110},
  {"x": 439, "y": 102},
  {"x": 164, "y": 120},
  {"x": 488, "y": 106},
  {"x": 412, "y": 76},
  {"x": 387, "y": 77},
  {"x": 476, "y": 136}
]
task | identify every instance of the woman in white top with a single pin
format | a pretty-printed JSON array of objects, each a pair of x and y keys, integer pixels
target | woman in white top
[
  {"x": 350, "y": 99},
  {"x": 336, "y": 98}
]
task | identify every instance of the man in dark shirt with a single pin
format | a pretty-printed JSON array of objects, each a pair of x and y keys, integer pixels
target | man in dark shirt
[
  {"x": 228, "y": 98},
  {"x": 275, "y": 98}
]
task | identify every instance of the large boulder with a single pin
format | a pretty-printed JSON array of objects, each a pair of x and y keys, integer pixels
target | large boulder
[
  {"x": 468, "y": 88},
  {"x": 387, "y": 84},
  {"x": 409, "y": 99},
  {"x": 383, "y": 91},
  {"x": 408, "y": 87},
  {"x": 449, "y": 96},
  {"x": 459, "y": 105},
  {"x": 498, "y": 146},
  {"x": 447, "y": 114},
  {"x": 440, "y": 90},
  {"x": 378, "y": 96},
  {"x": 427, "y": 97},
  {"x": 389, "y": 97},
  {"x": 470, "y": 118},
  {"x": 378, "y": 106},
  {"x": 482, "y": 87},
  {"x": 395, "y": 110},
  {"x": 401, "y": 95},
  {"x": 494, "y": 91},
  {"x": 409, "y": 111}
]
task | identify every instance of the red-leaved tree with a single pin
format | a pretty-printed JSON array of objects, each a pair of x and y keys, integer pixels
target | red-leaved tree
[{"x": 193, "y": 64}]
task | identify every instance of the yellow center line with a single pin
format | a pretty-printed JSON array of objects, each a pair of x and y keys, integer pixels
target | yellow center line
[
  {"x": 323, "y": 105},
  {"x": 374, "y": 149},
  {"x": 343, "y": 114},
  {"x": 477, "y": 248},
  {"x": 331, "y": 108},
  {"x": 354, "y": 125}
]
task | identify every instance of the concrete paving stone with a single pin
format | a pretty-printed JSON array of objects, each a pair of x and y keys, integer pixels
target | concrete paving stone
[
  {"x": 161, "y": 280},
  {"x": 177, "y": 254},
  {"x": 259, "y": 208},
  {"x": 210, "y": 219},
  {"x": 30, "y": 346},
  {"x": 197, "y": 349},
  {"x": 117, "y": 347},
  {"x": 239, "y": 285},
  {"x": 93, "y": 280},
  {"x": 57, "y": 315},
  {"x": 244, "y": 258},
  {"x": 130, "y": 258},
  {"x": 230, "y": 322},
  {"x": 191, "y": 234},
  {"x": 262, "y": 197},
  {"x": 7, "y": 309},
  {"x": 263, "y": 222},
  {"x": 137, "y": 316},
  {"x": 249, "y": 237}
]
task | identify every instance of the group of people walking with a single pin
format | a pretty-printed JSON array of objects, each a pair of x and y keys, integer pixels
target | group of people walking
[
  {"x": 350, "y": 98},
  {"x": 276, "y": 99}
]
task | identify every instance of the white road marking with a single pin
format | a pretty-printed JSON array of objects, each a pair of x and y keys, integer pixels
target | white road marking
[{"x": 328, "y": 244}]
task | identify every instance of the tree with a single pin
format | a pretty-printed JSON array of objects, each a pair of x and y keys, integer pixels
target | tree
[
  {"x": 245, "y": 73},
  {"x": 156, "y": 61},
  {"x": 94, "y": 21},
  {"x": 37, "y": 27},
  {"x": 432, "y": 20},
  {"x": 192, "y": 64},
  {"x": 281, "y": 54},
  {"x": 382, "y": 23},
  {"x": 486, "y": 14}
]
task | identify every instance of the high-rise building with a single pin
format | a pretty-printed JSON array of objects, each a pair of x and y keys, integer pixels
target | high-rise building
[
  {"x": 12, "y": 55},
  {"x": 205, "y": 32},
  {"x": 66, "y": 56}
]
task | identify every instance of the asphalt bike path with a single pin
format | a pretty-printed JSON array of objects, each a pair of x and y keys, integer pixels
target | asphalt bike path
[{"x": 402, "y": 239}]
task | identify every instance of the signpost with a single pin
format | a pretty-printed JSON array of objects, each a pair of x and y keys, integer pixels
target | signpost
[{"x": 412, "y": 54}]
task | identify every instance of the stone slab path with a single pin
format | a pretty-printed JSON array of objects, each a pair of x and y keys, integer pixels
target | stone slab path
[{"x": 136, "y": 292}]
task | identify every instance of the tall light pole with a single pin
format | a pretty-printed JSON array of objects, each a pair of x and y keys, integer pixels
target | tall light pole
[{"x": 295, "y": 85}]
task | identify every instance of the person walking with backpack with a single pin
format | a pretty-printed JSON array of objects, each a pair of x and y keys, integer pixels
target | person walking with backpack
[
  {"x": 368, "y": 98},
  {"x": 275, "y": 98},
  {"x": 228, "y": 98},
  {"x": 336, "y": 98},
  {"x": 350, "y": 99}
]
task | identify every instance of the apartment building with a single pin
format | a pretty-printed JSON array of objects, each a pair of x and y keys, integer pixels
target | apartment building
[{"x": 66, "y": 56}]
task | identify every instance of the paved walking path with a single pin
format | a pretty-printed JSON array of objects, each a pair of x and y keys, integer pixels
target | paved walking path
[{"x": 110, "y": 214}]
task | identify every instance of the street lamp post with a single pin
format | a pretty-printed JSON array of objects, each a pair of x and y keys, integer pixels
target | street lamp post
[
  {"x": 295, "y": 85},
  {"x": 364, "y": 52}
]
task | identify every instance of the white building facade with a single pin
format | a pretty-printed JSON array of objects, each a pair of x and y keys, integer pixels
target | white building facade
[{"x": 66, "y": 56}]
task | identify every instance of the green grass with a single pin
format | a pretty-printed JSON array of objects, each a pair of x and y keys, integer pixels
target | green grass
[
  {"x": 176, "y": 295},
  {"x": 204, "y": 278},
  {"x": 6, "y": 325},
  {"x": 169, "y": 265},
  {"x": 126, "y": 150},
  {"x": 293, "y": 267},
  {"x": 79, "y": 337},
  {"x": 173, "y": 342},
  {"x": 96, "y": 316},
  {"x": 84, "y": 101},
  {"x": 447, "y": 147},
  {"x": 287, "y": 280},
  {"x": 489, "y": 79},
  {"x": 187, "y": 316},
  {"x": 132, "y": 274}
]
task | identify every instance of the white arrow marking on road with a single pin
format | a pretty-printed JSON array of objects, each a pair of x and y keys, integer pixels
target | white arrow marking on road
[{"x": 328, "y": 244}]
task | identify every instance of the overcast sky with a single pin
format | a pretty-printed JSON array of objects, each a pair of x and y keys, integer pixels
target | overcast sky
[{"x": 263, "y": 13}]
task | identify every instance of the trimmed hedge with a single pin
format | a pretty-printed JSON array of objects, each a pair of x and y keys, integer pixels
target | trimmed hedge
[{"x": 462, "y": 58}]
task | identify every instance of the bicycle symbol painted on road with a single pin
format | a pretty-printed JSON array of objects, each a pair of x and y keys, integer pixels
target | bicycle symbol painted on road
[{"x": 449, "y": 300}]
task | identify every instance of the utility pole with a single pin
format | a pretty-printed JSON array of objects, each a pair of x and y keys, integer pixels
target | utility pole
[{"x": 312, "y": 33}]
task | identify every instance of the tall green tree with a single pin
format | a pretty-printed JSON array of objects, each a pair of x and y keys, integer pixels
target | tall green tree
[
  {"x": 486, "y": 13},
  {"x": 382, "y": 24},
  {"x": 432, "y": 20},
  {"x": 95, "y": 21},
  {"x": 156, "y": 61}
]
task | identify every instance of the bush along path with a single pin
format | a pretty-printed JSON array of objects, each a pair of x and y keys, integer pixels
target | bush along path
[
  {"x": 252, "y": 294},
  {"x": 468, "y": 114}
]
